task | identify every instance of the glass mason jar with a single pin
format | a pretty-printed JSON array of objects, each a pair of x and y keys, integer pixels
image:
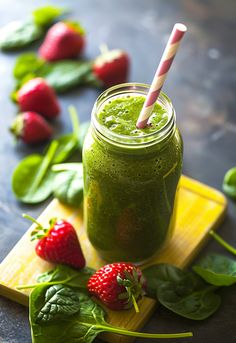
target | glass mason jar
[{"x": 130, "y": 183}]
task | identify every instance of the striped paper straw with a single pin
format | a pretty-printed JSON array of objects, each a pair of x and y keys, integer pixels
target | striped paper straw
[{"x": 161, "y": 73}]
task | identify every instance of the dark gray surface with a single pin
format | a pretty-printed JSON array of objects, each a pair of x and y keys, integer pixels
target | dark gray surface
[{"x": 202, "y": 85}]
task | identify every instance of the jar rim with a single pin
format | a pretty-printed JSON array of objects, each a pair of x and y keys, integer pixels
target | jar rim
[{"x": 135, "y": 141}]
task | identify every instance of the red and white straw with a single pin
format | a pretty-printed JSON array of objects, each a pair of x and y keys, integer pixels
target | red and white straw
[{"x": 161, "y": 73}]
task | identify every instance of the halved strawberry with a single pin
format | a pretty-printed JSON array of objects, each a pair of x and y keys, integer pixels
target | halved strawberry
[{"x": 64, "y": 40}]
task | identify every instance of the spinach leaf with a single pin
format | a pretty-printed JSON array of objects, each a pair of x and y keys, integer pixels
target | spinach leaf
[
  {"x": 67, "y": 145},
  {"x": 63, "y": 275},
  {"x": 68, "y": 183},
  {"x": 66, "y": 75},
  {"x": 181, "y": 292},
  {"x": 18, "y": 34},
  {"x": 82, "y": 327},
  {"x": 28, "y": 63},
  {"x": 160, "y": 273},
  {"x": 229, "y": 183},
  {"x": 60, "y": 301},
  {"x": 32, "y": 178},
  {"x": 67, "y": 275},
  {"x": 68, "y": 186},
  {"x": 45, "y": 16},
  {"x": 217, "y": 270},
  {"x": 61, "y": 75}
]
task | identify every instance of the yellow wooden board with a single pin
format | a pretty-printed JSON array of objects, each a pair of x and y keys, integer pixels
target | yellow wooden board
[{"x": 200, "y": 209}]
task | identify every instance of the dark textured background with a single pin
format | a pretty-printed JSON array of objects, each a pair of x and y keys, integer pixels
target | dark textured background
[{"x": 202, "y": 85}]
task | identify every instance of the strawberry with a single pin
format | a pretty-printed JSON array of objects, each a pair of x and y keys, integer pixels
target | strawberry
[
  {"x": 36, "y": 95},
  {"x": 118, "y": 285},
  {"x": 31, "y": 128},
  {"x": 111, "y": 67},
  {"x": 64, "y": 40},
  {"x": 58, "y": 243}
]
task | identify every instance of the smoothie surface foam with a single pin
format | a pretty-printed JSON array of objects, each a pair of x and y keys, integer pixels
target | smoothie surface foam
[{"x": 121, "y": 113}]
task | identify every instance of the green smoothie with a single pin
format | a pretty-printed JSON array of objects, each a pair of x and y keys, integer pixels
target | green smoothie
[{"x": 130, "y": 178}]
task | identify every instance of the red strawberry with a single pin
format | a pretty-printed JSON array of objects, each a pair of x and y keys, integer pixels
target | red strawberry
[
  {"x": 112, "y": 67},
  {"x": 31, "y": 128},
  {"x": 58, "y": 243},
  {"x": 36, "y": 95},
  {"x": 118, "y": 285},
  {"x": 63, "y": 40}
]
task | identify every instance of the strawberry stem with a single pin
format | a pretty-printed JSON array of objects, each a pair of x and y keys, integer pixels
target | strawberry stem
[
  {"x": 27, "y": 216},
  {"x": 120, "y": 331},
  {"x": 135, "y": 304},
  {"x": 222, "y": 242},
  {"x": 103, "y": 48}
]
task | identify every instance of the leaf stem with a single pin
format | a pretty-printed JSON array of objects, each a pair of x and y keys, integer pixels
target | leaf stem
[
  {"x": 45, "y": 283},
  {"x": 222, "y": 242},
  {"x": 45, "y": 164},
  {"x": 75, "y": 121},
  {"x": 120, "y": 331}
]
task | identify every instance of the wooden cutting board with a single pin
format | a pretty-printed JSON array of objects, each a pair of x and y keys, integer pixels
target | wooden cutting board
[{"x": 200, "y": 209}]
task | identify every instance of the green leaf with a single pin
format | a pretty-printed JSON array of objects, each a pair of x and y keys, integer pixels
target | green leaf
[
  {"x": 82, "y": 327},
  {"x": 229, "y": 183},
  {"x": 68, "y": 186},
  {"x": 32, "y": 178},
  {"x": 76, "y": 26},
  {"x": 159, "y": 273},
  {"x": 66, "y": 75},
  {"x": 63, "y": 275},
  {"x": 18, "y": 34},
  {"x": 45, "y": 16},
  {"x": 28, "y": 64},
  {"x": 217, "y": 270},
  {"x": 67, "y": 145},
  {"x": 181, "y": 292},
  {"x": 62, "y": 76},
  {"x": 60, "y": 301}
]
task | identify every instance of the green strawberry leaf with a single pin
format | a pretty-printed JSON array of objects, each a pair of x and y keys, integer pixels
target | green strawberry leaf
[{"x": 76, "y": 26}]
